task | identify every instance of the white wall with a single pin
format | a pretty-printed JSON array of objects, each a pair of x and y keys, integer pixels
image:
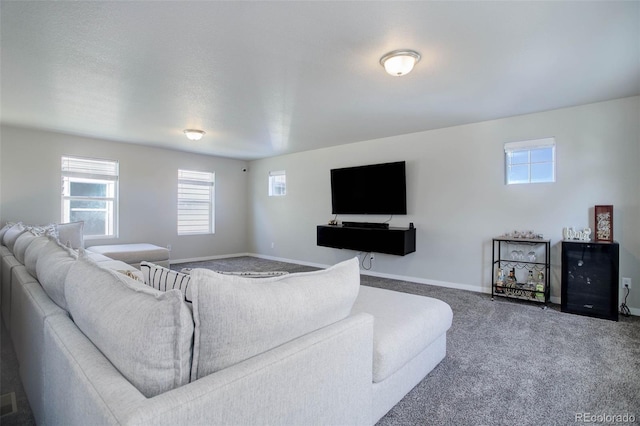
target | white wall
[
  {"x": 30, "y": 188},
  {"x": 457, "y": 198}
]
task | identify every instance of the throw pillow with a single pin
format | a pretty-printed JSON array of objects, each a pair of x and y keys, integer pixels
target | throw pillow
[
  {"x": 52, "y": 266},
  {"x": 71, "y": 234},
  {"x": 4, "y": 229},
  {"x": 237, "y": 318},
  {"x": 146, "y": 334},
  {"x": 164, "y": 279},
  {"x": 21, "y": 245},
  {"x": 12, "y": 234},
  {"x": 31, "y": 254}
]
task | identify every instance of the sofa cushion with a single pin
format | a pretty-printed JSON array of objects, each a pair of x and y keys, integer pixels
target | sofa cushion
[
  {"x": 145, "y": 333},
  {"x": 164, "y": 279},
  {"x": 71, "y": 234},
  {"x": 52, "y": 266},
  {"x": 21, "y": 244},
  {"x": 237, "y": 318},
  {"x": 12, "y": 234},
  {"x": 32, "y": 252},
  {"x": 404, "y": 325}
]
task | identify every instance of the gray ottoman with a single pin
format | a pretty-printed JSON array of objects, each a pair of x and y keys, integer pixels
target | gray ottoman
[{"x": 133, "y": 254}]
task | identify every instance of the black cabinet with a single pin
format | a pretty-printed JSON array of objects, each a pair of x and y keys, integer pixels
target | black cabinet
[
  {"x": 590, "y": 278},
  {"x": 398, "y": 241}
]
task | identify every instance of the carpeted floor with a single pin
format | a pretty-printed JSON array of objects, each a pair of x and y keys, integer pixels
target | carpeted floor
[
  {"x": 510, "y": 362},
  {"x": 507, "y": 363}
]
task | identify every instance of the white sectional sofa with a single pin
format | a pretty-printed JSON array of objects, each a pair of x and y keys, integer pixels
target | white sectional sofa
[{"x": 96, "y": 346}]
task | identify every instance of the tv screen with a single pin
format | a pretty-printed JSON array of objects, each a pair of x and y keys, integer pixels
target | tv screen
[{"x": 371, "y": 189}]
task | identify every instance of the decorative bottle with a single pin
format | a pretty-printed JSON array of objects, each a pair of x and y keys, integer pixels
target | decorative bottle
[
  {"x": 511, "y": 279},
  {"x": 500, "y": 281},
  {"x": 540, "y": 284},
  {"x": 530, "y": 281}
]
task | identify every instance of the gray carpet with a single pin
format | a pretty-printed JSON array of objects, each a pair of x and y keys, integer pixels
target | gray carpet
[{"x": 509, "y": 362}]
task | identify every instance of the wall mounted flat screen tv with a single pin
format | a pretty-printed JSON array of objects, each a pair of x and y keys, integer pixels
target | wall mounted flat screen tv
[{"x": 371, "y": 189}]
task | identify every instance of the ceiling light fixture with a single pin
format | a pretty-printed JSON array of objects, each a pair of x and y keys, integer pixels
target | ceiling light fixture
[
  {"x": 400, "y": 62},
  {"x": 194, "y": 134}
]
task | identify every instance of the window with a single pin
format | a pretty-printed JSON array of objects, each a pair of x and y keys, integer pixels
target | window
[
  {"x": 90, "y": 194},
  {"x": 195, "y": 202},
  {"x": 531, "y": 161},
  {"x": 277, "y": 183}
]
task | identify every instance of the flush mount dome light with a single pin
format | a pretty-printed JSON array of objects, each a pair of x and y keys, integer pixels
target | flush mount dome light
[
  {"x": 399, "y": 62},
  {"x": 194, "y": 134}
]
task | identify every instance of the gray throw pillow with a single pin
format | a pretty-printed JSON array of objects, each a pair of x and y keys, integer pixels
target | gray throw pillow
[
  {"x": 21, "y": 245},
  {"x": 12, "y": 234},
  {"x": 52, "y": 266},
  {"x": 237, "y": 318},
  {"x": 31, "y": 254},
  {"x": 71, "y": 234},
  {"x": 4, "y": 229},
  {"x": 146, "y": 334}
]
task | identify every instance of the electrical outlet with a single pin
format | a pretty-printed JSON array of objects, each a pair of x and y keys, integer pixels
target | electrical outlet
[
  {"x": 169, "y": 247},
  {"x": 626, "y": 282}
]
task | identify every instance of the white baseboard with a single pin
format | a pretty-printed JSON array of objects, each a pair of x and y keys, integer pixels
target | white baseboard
[
  {"x": 202, "y": 259},
  {"x": 382, "y": 275},
  {"x": 635, "y": 312},
  {"x": 282, "y": 259}
]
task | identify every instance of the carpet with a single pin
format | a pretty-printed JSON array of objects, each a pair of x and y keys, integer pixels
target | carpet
[{"x": 510, "y": 362}]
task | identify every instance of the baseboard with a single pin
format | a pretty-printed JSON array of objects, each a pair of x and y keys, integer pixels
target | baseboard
[
  {"x": 202, "y": 259},
  {"x": 635, "y": 312},
  {"x": 282, "y": 259},
  {"x": 382, "y": 275}
]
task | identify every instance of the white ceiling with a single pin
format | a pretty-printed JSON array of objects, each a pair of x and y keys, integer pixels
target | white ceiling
[{"x": 267, "y": 78}]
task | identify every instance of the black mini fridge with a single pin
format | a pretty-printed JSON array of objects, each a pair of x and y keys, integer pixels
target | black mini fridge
[{"x": 590, "y": 278}]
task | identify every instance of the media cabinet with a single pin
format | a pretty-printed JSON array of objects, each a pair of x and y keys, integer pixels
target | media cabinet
[{"x": 397, "y": 241}]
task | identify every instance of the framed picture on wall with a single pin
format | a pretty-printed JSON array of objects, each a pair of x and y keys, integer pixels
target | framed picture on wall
[{"x": 604, "y": 223}]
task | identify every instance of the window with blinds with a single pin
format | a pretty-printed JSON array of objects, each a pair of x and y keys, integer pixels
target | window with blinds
[
  {"x": 195, "y": 202},
  {"x": 90, "y": 194},
  {"x": 532, "y": 161},
  {"x": 277, "y": 183}
]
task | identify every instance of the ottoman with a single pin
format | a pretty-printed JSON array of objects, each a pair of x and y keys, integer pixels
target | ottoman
[
  {"x": 133, "y": 254},
  {"x": 409, "y": 340}
]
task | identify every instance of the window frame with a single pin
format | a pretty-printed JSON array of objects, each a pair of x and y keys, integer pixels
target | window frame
[
  {"x": 100, "y": 171},
  {"x": 528, "y": 146},
  {"x": 277, "y": 177},
  {"x": 193, "y": 180}
]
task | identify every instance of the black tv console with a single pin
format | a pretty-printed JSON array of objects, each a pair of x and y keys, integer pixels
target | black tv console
[
  {"x": 375, "y": 225},
  {"x": 397, "y": 241}
]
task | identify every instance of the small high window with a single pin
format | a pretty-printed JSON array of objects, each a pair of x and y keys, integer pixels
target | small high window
[
  {"x": 90, "y": 194},
  {"x": 277, "y": 183},
  {"x": 195, "y": 202},
  {"x": 532, "y": 161}
]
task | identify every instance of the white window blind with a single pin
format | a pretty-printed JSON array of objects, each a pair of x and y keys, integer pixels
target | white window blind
[
  {"x": 90, "y": 194},
  {"x": 531, "y": 161},
  {"x": 195, "y": 202},
  {"x": 277, "y": 183}
]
